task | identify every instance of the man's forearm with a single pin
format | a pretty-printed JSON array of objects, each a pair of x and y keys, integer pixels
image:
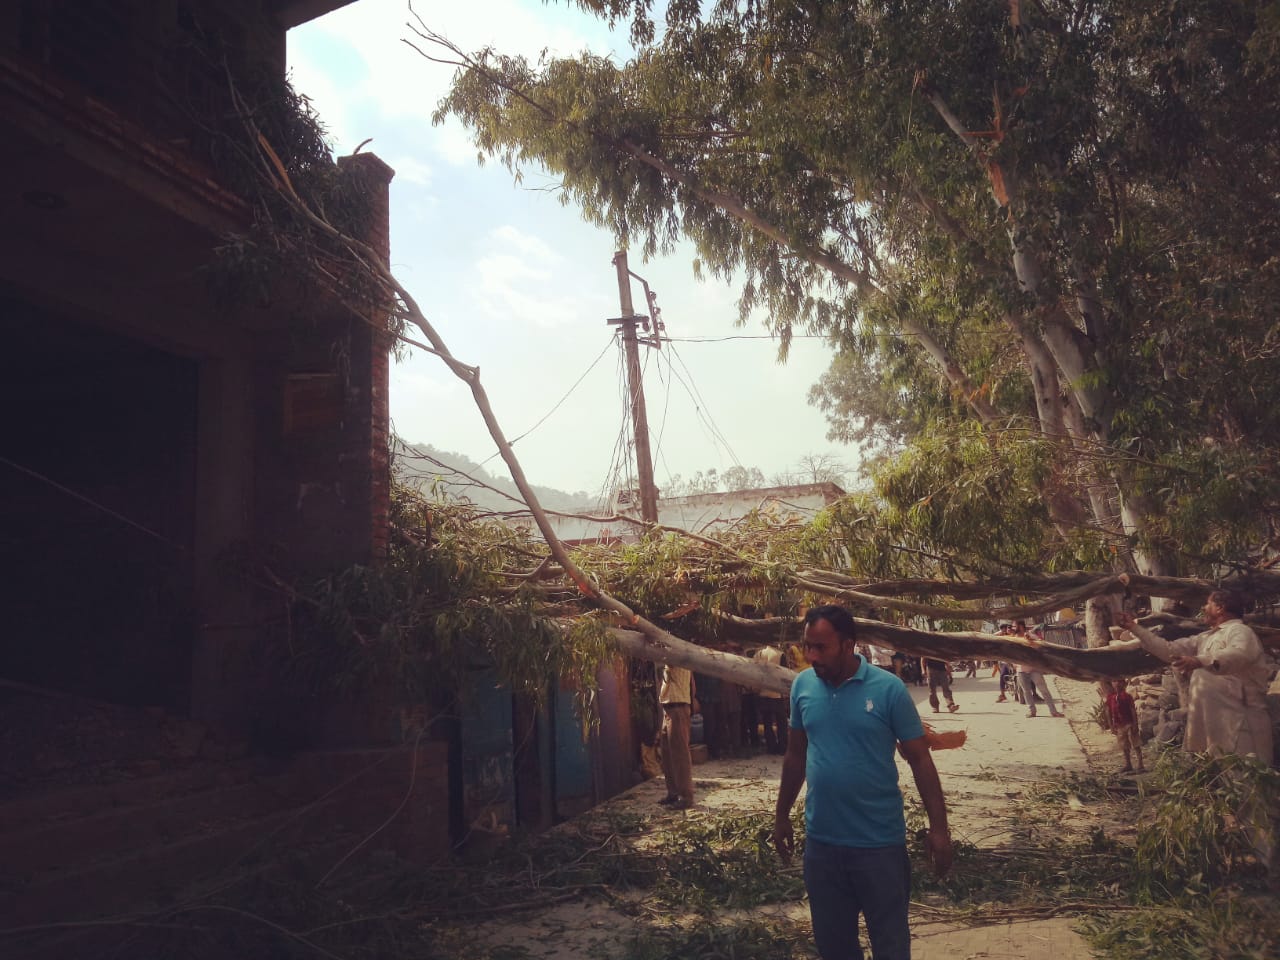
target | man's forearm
[
  {"x": 1153, "y": 643},
  {"x": 789, "y": 787},
  {"x": 930, "y": 787},
  {"x": 1162, "y": 649}
]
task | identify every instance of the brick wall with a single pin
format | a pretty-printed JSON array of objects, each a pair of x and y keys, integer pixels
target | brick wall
[{"x": 372, "y": 175}]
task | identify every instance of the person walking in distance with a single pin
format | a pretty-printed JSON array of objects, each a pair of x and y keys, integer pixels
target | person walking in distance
[
  {"x": 848, "y": 721},
  {"x": 940, "y": 677},
  {"x": 1031, "y": 680}
]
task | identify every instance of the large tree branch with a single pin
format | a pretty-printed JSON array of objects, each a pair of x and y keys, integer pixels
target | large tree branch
[
  {"x": 753, "y": 674},
  {"x": 1057, "y": 601},
  {"x": 1189, "y": 589},
  {"x": 1069, "y": 346},
  {"x": 1118, "y": 661}
]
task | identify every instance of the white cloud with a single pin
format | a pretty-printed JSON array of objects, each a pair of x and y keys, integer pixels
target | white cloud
[
  {"x": 526, "y": 244},
  {"x": 452, "y": 143},
  {"x": 422, "y": 377},
  {"x": 411, "y": 169},
  {"x": 521, "y": 278}
]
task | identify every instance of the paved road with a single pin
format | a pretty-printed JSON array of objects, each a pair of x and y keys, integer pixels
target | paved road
[
  {"x": 1007, "y": 744},
  {"x": 1005, "y": 751}
]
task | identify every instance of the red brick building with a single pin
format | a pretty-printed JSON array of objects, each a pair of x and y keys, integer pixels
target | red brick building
[
  {"x": 160, "y": 449},
  {"x": 168, "y": 459},
  {"x": 152, "y": 436}
]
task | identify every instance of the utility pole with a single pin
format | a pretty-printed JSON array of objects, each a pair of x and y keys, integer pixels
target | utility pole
[{"x": 635, "y": 387}]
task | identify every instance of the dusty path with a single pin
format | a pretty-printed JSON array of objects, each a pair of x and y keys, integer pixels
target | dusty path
[{"x": 986, "y": 781}]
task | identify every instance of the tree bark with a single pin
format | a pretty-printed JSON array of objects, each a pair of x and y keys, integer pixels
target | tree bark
[
  {"x": 1099, "y": 615},
  {"x": 1110, "y": 663},
  {"x": 714, "y": 663},
  {"x": 1189, "y": 589}
]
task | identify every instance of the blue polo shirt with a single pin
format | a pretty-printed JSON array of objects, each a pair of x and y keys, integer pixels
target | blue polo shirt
[{"x": 852, "y": 799}]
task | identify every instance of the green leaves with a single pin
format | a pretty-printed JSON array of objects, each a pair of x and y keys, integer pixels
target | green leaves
[
  {"x": 439, "y": 604},
  {"x": 1207, "y": 814},
  {"x": 957, "y": 500}
]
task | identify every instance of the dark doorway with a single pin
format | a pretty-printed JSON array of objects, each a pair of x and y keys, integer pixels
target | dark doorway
[{"x": 97, "y": 510}]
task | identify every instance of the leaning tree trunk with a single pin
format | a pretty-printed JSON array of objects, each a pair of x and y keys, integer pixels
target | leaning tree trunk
[
  {"x": 1135, "y": 513},
  {"x": 1099, "y": 616}
]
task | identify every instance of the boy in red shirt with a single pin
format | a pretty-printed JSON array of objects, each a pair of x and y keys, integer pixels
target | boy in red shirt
[{"x": 1124, "y": 723}]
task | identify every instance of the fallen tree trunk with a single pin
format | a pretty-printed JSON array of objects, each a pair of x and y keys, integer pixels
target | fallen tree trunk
[
  {"x": 714, "y": 663},
  {"x": 1080, "y": 583},
  {"x": 1106, "y": 663},
  {"x": 1102, "y": 663},
  {"x": 1097, "y": 664}
]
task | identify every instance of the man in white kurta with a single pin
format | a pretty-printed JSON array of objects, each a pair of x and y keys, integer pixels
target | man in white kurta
[{"x": 1228, "y": 673}]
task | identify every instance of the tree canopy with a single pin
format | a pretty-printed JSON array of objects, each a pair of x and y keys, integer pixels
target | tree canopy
[{"x": 1047, "y": 220}]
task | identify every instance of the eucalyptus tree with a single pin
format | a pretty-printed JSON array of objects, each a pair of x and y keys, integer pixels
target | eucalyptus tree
[{"x": 1053, "y": 218}]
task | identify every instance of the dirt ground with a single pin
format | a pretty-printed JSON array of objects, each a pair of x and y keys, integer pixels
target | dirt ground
[{"x": 987, "y": 783}]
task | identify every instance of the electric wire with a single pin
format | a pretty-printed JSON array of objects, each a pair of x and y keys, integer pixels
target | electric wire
[
  {"x": 628, "y": 451},
  {"x": 744, "y": 336},
  {"x": 716, "y": 426},
  {"x": 666, "y": 405},
  {"x": 621, "y": 445},
  {"x": 558, "y": 404},
  {"x": 728, "y": 446},
  {"x": 718, "y": 440},
  {"x": 707, "y": 430},
  {"x": 611, "y": 472}
]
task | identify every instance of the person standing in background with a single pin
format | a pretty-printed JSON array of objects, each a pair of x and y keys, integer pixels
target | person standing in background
[
  {"x": 1228, "y": 672},
  {"x": 710, "y": 700},
  {"x": 1123, "y": 714},
  {"x": 1031, "y": 681},
  {"x": 772, "y": 706},
  {"x": 677, "y": 699}
]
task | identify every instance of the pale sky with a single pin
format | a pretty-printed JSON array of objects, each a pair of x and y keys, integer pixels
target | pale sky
[{"x": 521, "y": 286}]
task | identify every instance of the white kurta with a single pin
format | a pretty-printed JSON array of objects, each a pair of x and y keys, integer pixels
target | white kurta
[{"x": 1227, "y": 712}]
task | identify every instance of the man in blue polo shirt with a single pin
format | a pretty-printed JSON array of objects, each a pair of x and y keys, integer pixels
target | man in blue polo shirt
[{"x": 847, "y": 719}]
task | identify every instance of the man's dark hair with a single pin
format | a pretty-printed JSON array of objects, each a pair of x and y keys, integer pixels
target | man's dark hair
[
  {"x": 841, "y": 620},
  {"x": 1232, "y": 601}
]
